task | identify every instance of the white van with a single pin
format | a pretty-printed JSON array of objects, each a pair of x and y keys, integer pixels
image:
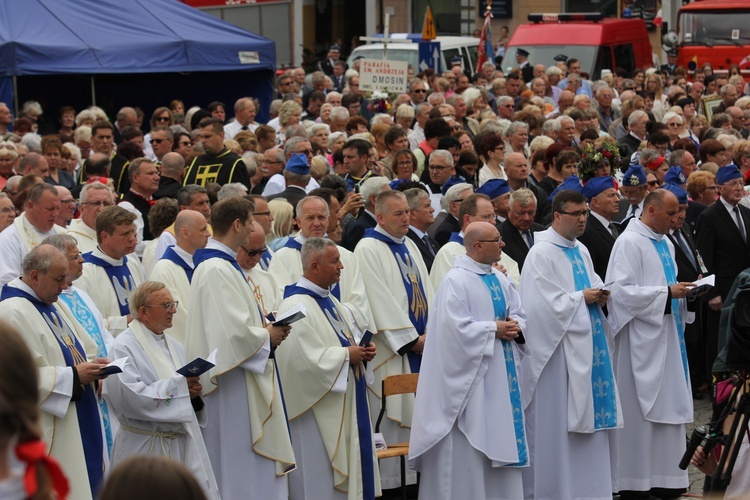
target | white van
[{"x": 450, "y": 46}]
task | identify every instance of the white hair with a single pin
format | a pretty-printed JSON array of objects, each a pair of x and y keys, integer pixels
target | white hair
[{"x": 232, "y": 190}]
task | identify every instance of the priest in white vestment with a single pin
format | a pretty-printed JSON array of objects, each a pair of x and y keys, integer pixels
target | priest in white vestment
[
  {"x": 468, "y": 436},
  {"x": 322, "y": 367},
  {"x": 68, "y": 369},
  {"x": 400, "y": 292},
  {"x": 78, "y": 307},
  {"x": 175, "y": 268},
  {"x": 568, "y": 384},
  {"x": 159, "y": 410},
  {"x": 265, "y": 287},
  {"x": 313, "y": 217},
  {"x": 649, "y": 314},
  {"x": 28, "y": 230},
  {"x": 477, "y": 208},
  {"x": 109, "y": 274},
  {"x": 246, "y": 433},
  {"x": 94, "y": 198}
]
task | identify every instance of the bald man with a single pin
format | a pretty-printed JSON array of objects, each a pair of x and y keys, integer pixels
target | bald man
[{"x": 175, "y": 268}]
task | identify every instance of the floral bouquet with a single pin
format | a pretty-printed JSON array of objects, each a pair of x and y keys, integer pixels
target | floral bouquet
[
  {"x": 595, "y": 157},
  {"x": 379, "y": 102}
]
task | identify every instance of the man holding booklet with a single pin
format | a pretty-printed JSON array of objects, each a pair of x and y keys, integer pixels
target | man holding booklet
[{"x": 158, "y": 408}]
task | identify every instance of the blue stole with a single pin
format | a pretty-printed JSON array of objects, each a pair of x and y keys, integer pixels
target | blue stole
[
  {"x": 83, "y": 315},
  {"x": 500, "y": 309},
  {"x": 602, "y": 375},
  {"x": 414, "y": 288},
  {"x": 174, "y": 257},
  {"x": 457, "y": 238},
  {"x": 120, "y": 278},
  {"x": 335, "y": 289},
  {"x": 667, "y": 263},
  {"x": 265, "y": 260},
  {"x": 204, "y": 254},
  {"x": 363, "y": 411},
  {"x": 86, "y": 407}
]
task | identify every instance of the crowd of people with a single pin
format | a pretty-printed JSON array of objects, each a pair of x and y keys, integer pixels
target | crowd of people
[{"x": 527, "y": 242}]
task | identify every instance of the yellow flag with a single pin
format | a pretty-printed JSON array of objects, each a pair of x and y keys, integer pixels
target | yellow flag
[{"x": 428, "y": 31}]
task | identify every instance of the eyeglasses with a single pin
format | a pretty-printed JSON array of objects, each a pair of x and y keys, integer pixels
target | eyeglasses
[
  {"x": 498, "y": 241},
  {"x": 162, "y": 119},
  {"x": 581, "y": 213},
  {"x": 185, "y": 143},
  {"x": 68, "y": 202},
  {"x": 98, "y": 203},
  {"x": 420, "y": 91},
  {"x": 6, "y": 210},
  {"x": 306, "y": 152},
  {"x": 673, "y": 124},
  {"x": 262, "y": 213},
  {"x": 711, "y": 187},
  {"x": 255, "y": 253},
  {"x": 157, "y": 141},
  {"x": 167, "y": 306},
  {"x": 652, "y": 183},
  {"x": 77, "y": 256},
  {"x": 438, "y": 168},
  {"x": 458, "y": 200}
]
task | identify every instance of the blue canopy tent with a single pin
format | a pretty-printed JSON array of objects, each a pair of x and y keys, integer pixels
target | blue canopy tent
[{"x": 116, "y": 53}]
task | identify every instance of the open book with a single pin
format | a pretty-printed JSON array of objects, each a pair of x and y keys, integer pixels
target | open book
[
  {"x": 199, "y": 366},
  {"x": 296, "y": 313},
  {"x": 115, "y": 366}
]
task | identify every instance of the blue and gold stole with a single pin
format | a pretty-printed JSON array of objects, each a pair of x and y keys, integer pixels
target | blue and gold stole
[
  {"x": 339, "y": 325},
  {"x": 120, "y": 278},
  {"x": 500, "y": 309},
  {"x": 86, "y": 407},
  {"x": 413, "y": 286},
  {"x": 602, "y": 375},
  {"x": 175, "y": 258},
  {"x": 667, "y": 263}
]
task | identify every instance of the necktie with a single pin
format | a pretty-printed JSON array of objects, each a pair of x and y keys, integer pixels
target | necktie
[
  {"x": 740, "y": 224},
  {"x": 529, "y": 238},
  {"x": 612, "y": 230},
  {"x": 685, "y": 247},
  {"x": 428, "y": 243},
  {"x": 245, "y": 128},
  {"x": 633, "y": 210}
]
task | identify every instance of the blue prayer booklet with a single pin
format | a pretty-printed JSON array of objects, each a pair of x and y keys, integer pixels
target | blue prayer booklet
[
  {"x": 114, "y": 367},
  {"x": 366, "y": 338},
  {"x": 198, "y": 366},
  {"x": 296, "y": 313}
]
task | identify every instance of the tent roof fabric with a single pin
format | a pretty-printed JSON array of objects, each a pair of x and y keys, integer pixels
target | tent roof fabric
[{"x": 46, "y": 37}]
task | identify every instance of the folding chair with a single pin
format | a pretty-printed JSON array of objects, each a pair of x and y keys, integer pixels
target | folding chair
[{"x": 393, "y": 386}]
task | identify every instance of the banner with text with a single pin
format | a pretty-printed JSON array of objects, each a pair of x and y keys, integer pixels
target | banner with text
[{"x": 384, "y": 76}]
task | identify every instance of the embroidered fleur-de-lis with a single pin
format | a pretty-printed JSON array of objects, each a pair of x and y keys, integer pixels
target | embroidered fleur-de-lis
[
  {"x": 599, "y": 356},
  {"x": 601, "y": 385},
  {"x": 496, "y": 292},
  {"x": 602, "y": 418},
  {"x": 578, "y": 266}
]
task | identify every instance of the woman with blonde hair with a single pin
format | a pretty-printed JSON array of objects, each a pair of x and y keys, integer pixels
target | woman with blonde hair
[
  {"x": 20, "y": 431},
  {"x": 654, "y": 84},
  {"x": 8, "y": 161},
  {"x": 283, "y": 222},
  {"x": 289, "y": 114}
]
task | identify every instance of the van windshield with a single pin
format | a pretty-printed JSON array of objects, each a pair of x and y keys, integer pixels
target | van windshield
[
  {"x": 545, "y": 54},
  {"x": 714, "y": 28},
  {"x": 410, "y": 56}
]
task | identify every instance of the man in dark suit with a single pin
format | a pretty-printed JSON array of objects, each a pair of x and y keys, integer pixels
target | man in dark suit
[
  {"x": 629, "y": 143},
  {"x": 671, "y": 62},
  {"x": 600, "y": 233},
  {"x": 722, "y": 239},
  {"x": 420, "y": 219},
  {"x": 339, "y": 68},
  {"x": 451, "y": 201},
  {"x": 326, "y": 65},
  {"x": 369, "y": 189},
  {"x": 519, "y": 228},
  {"x": 517, "y": 169},
  {"x": 689, "y": 269},
  {"x": 633, "y": 191}
]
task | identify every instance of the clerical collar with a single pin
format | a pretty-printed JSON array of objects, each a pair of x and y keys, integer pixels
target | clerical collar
[
  {"x": 106, "y": 258},
  {"x": 217, "y": 245},
  {"x": 554, "y": 237},
  {"x": 420, "y": 234},
  {"x": 309, "y": 285},
  {"x": 601, "y": 219},
  {"x": 156, "y": 336},
  {"x": 390, "y": 236},
  {"x": 466, "y": 262},
  {"x": 21, "y": 285},
  {"x": 646, "y": 231},
  {"x": 184, "y": 255}
]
